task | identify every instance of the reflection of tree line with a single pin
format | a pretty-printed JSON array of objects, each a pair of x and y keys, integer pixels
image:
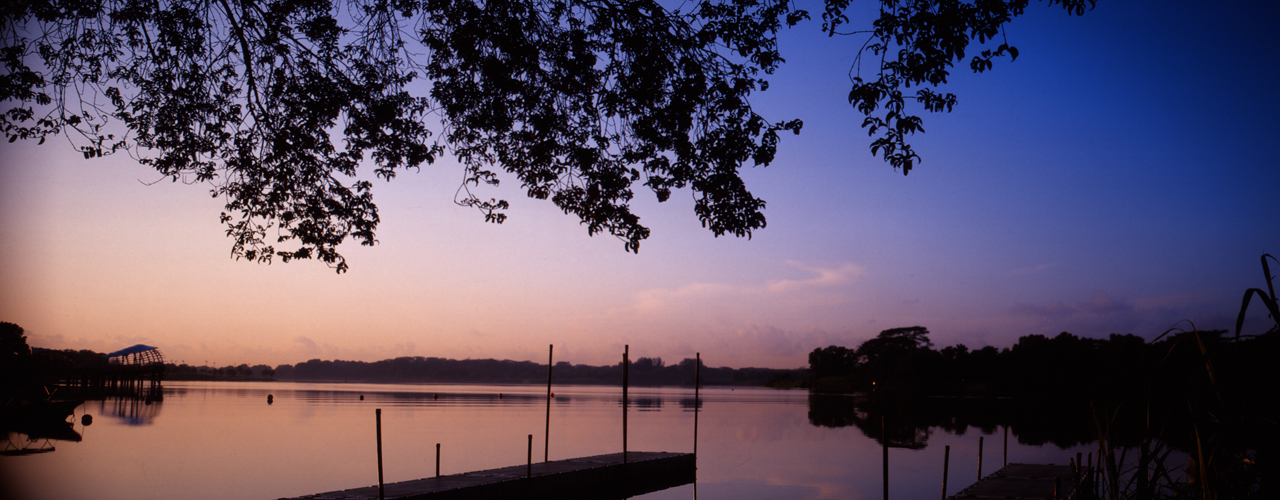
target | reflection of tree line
[
  {"x": 909, "y": 421},
  {"x": 1207, "y": 394}
]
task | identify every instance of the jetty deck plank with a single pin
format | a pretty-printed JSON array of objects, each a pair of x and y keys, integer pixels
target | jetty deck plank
[
  {"x": 1022, "y": 481},
  {"x": 600, "y": 476}
]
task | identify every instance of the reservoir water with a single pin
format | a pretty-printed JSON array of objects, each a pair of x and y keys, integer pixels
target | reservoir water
[{"x": 221, "y": 440}]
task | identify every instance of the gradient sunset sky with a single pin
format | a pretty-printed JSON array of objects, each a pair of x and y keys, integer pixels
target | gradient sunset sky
[{"x": 1119, "y": 177}]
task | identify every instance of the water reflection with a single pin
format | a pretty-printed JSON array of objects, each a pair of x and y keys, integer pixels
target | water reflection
[
  {"x": 32, "y": 427},
  {"x": 131, "y": 411},
  {"x": 758, "y": 443},
  {"x": 645, "y": 404},
  {"x": 688, "y": 403},
  {"x": 907, "y": 421}
]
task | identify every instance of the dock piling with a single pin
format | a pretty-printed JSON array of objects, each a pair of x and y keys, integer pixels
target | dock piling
[
  {"x": 377, "y": 414},
  {"x": 697, "y": 384},
  {"x": 626, "y": 361},
  {"x": 884, "y": 445},
  {"x": 946, "y": 464},
  {"x": 1089, "y": 471},
  {"x": 528, "y": 471},
  {"x": 1005, "y": 461},
  {"x": 546, "y": 445},
  {"x": 979, "y": 458}
]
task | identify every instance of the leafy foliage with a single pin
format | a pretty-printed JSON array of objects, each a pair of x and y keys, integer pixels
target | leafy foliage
[
  {"x": 917, "y": 42},
  {"x": 13, "y": 342},
  {"x": 278, "y": 103},
  {"x": 1267, "y": 297},
  {"x": 832, "y": 361}
]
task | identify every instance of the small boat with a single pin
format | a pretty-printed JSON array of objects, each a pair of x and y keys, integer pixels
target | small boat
[{"x": 30, "y": 427}]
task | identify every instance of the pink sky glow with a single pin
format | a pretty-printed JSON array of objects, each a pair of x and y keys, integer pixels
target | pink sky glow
[{"x": 1088, "y": 187}]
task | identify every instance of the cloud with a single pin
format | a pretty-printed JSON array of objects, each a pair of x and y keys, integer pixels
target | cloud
[
  {"x": 1101, "y": 304},
  {"x": 307, "y": 343},
  {"x": 822, "y": 277},
  {"x": 1103, "y": 314},
  {"x": 821, "y": 287}
]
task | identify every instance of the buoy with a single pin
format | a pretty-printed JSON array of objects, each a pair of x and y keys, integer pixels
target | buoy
[
  {"x": 86, "y": 419},
  {"x": 270, "y": 398},
  {"x": 553, "y": 394},
  {"x": 362, "y": 397},
  {"x": 499, "y": 395},
  {"x": 435, "y": 396}
]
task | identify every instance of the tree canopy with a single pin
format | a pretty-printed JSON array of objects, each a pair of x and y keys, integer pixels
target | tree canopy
[{"x": 279, "y": 104}]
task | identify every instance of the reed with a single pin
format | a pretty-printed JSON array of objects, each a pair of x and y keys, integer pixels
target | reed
[{"x": 1215, "y": 441}]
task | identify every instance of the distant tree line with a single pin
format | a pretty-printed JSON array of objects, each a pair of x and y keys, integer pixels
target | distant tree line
[
  {"x": 242, "y": 372},
  {"x": 903, "y": 360},
  {"x": 644, "y": 371}
]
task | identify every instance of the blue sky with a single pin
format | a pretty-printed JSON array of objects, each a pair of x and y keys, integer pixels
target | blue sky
[{"x": 1119, "y": 177}]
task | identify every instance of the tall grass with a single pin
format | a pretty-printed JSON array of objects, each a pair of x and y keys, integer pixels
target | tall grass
[
  {"x": 1186, "y": 413},
  {"x": 1268, "y": 298}
]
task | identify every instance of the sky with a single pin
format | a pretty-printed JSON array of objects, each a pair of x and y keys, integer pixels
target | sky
[{"x": 1119, "y": 177}]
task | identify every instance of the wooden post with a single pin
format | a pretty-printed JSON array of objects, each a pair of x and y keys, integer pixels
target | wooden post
[
  {"x": 697, "y": 384},
  {"x": 626, "y": 362},
  {"x": 946, "y": 464},
  {"x": 1057, "y": 486},
  {"x": 546, "y": 445},
  {"x": 884, "y": 445},
  {"x": 1089, "y": 472},
  {"x": 979, "y": 458},
  {"x": 1115, "y": 476},
  {"x": 437, "y": 459},
  {"x": 1005, "y": 462},
  {"x": 528, "y": 471},
  {"x": 377, "y": 413}
]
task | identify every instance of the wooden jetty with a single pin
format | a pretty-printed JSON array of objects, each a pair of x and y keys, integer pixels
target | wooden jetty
[
  {"x": 1024, "y": 481},
  {"x": 597, "y": 477}
]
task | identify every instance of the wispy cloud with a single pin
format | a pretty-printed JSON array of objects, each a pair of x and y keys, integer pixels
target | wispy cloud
[
  {"x": 821, "y": 277},
  {"x": 306, "y": 342},
  {"x": 1104, "y": 313},
  {"x": 767, "y": 322},
  {"x": 817, "y": 287},
  {"x": 1101, "y": 303}
]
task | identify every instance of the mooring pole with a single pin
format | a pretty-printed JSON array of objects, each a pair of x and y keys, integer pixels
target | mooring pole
[
  {"x": 1089, "y": 471},
  {"x": 979, "y": 458},
  {"x": 377, "y": 413},
  {"x": 946, "y": 464},
  {"x": 626, "y": 353},
  {"x": 437, "y": 459},
  {"x": 884, "y": 445},
  {"x": 697, "y": 385},
  {"x": 528, "y": 471},
  {"x": 1005, "y": 462},
  {"x": 546, "y": 445}
]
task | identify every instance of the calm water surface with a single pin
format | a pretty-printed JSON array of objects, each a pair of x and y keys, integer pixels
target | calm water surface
[{"x": 220, "y": 440}]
